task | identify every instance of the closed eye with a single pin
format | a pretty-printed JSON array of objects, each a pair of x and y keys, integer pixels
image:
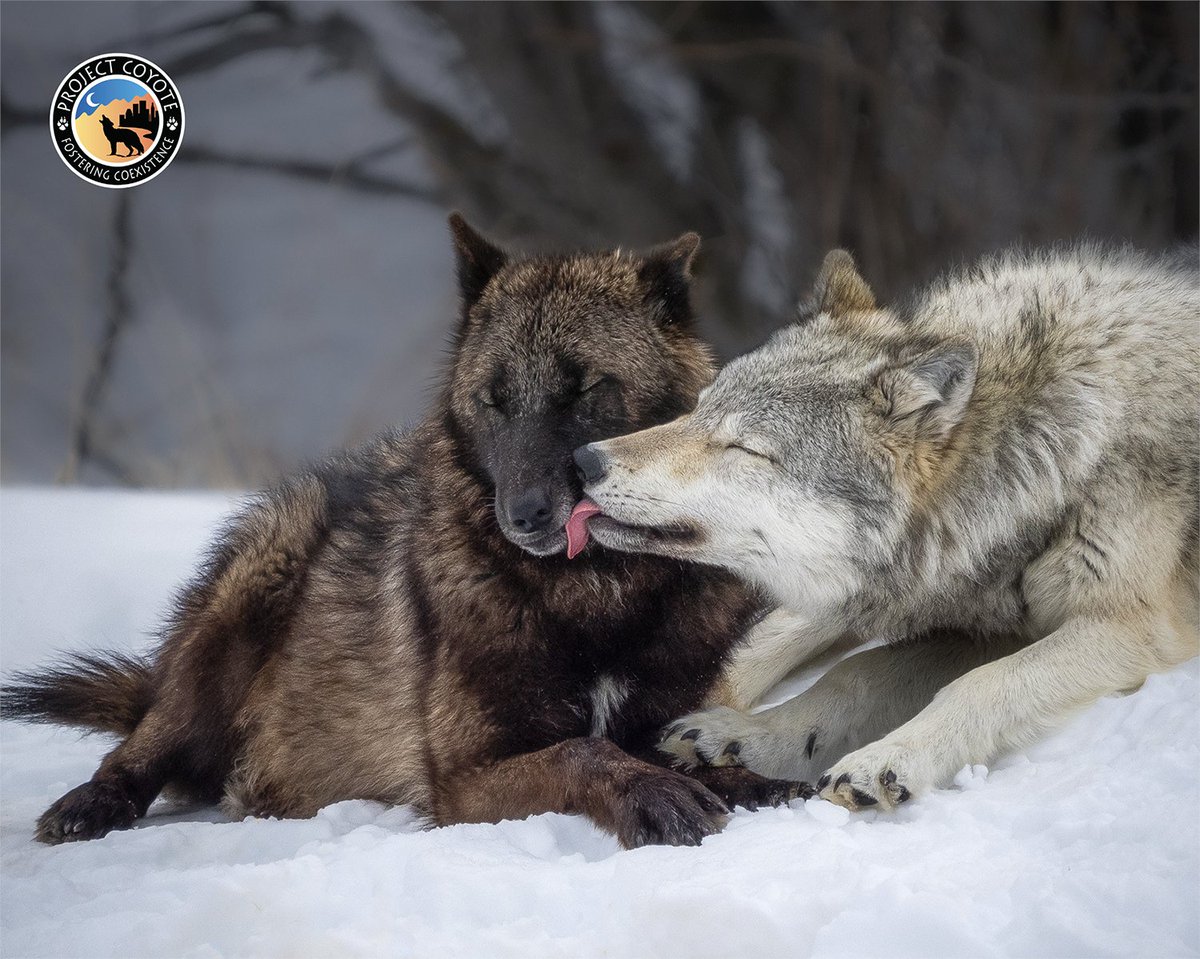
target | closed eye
[
  {"x": 757, "y": 454},
  {"x": 491, "y": 401},
  {"x": 584, "y": 388}
]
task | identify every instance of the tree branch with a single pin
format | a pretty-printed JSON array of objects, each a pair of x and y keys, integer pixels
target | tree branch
[
  {"x": 347, "y": 174},
  {"x": 82, "y": 442}
]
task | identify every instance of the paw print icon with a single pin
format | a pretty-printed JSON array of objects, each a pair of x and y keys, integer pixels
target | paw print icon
[
  {"x": 62, "y": 124},
  {"x": 172, "y": 124}
]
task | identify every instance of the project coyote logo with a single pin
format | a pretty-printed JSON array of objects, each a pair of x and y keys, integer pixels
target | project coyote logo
[{"x": 117, "y": 120}]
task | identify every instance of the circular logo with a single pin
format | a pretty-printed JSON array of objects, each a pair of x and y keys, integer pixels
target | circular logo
[{"x": 117, "y": 120}]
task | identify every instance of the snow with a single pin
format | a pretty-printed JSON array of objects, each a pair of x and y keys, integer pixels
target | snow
[{"x": 1085, "y": 844}]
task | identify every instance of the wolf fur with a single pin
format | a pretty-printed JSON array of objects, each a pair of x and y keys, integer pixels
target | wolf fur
[
  {"x": 998, "y": 476},
  {"x": 400, "y": 624}
]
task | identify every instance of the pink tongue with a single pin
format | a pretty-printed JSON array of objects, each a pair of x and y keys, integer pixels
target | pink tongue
[{"x": 577, "y": 531}]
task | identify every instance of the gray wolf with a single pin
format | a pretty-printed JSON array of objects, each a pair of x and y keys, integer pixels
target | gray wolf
[
  {"x": 400, "y": 624},
  {"x": 999, "y": 476},
  {"x": 119, "y": 135}
]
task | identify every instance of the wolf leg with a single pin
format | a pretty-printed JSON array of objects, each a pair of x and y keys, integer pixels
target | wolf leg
[
  {"x": 735, "y": 785},
  {"x": 738, "y": 786},
  {"x": 857, "y": 701},
  {"x": 1126, "y": 609},
  {"x": 641, "y": 804},
  {"x": 1001, "y": 705},
  {"x": 128, "y": 780},
  {"x": 227, "y": 626},
  {"x": 769, "y": 651}
]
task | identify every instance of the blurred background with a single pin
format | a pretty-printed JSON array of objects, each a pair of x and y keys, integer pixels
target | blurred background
[{"x": 285, "y": 287}]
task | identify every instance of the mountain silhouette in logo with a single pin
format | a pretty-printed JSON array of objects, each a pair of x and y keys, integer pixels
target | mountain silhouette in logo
[{"x": 104, "y": 94}]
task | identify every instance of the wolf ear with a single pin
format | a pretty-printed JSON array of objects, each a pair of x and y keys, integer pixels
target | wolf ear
[
  {"x": 840, "y": 289},
  {"x": 927, "y": 397},
  {"x": 664, "y": 274},
  {"x": 478, "y": 259}
]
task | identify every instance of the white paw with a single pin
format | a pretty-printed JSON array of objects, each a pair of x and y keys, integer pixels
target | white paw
[
  {"x": 711, "y": 737},
  {"x": 881, "y": 775},
  {"x": 725, "y": 737}
]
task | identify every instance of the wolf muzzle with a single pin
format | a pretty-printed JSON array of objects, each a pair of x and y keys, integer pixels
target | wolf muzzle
[{"x": 592, "y": 464}]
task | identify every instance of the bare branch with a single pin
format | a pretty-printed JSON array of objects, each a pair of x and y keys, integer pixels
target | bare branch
[
  {"x": 349, "y": 174},
  {"x": 82, "y": 444}
]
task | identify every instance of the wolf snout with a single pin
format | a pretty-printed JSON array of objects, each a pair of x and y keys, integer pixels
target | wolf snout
[
  {"x": 592, "y": 464},
  {"x": 530, "y": 511}
]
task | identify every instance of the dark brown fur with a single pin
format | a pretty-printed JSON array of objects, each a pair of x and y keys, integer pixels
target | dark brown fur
[{"x": 370, "y": 629}]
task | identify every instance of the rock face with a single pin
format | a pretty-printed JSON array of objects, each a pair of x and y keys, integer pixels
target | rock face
[{"x": 284, "y": 288}]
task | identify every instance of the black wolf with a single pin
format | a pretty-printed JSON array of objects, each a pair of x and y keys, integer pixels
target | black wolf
[
  {"x": 129, "y": 138},
  {"x": 400, "y": 622}
]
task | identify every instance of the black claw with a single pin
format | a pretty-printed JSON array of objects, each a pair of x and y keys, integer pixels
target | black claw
[
  {"x": 811, "y": 745},
  {"x": 714, "y": 804},
  {"x": 822, "y": 782},
  {"x": 904, "y": 796},
  {"x": 803, "y": 791},
  {"x": 733, "y": 749},
  {"x": 862, "y": 798},
  {"x": 691, "y": 734},
  {"x": 669, "y": 809},
  {"x": 672, "y": 730},
  {"x": 889, "y": 777},
  {"x": 86, "y": 812},
  {"x": 842, "y": 780}
]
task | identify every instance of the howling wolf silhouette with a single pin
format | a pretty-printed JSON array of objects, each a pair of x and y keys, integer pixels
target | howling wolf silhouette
[{"x": 117, "y": 135}]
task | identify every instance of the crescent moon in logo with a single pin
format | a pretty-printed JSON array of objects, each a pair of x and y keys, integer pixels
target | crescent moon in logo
[{"x": 88, "y": 101}]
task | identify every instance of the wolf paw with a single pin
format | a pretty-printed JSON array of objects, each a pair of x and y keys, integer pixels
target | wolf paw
[
  {"x": 871, "y": 778},
  {"x": 665, "y": 808},
  {"x": 738, "y": 786},
  {"x": 725, "y": 737},
  {"x": 86, "y": 812},
  {"x": 713, "y": 737}
]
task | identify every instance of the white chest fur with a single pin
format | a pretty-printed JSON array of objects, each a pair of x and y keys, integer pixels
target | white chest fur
[{"x": 608, "y": 695}]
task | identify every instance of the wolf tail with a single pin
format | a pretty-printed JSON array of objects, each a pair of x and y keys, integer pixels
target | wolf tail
[{"x": 106, "y": 692}]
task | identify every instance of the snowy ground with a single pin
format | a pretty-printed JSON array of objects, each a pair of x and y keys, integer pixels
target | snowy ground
[{"x": 1085, "y": 845}]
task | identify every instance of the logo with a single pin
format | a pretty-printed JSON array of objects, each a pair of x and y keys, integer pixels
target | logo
[{"x": 117, "y": 120}]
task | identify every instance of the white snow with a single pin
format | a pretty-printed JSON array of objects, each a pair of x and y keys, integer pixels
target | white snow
[{"x": 1084, "y": 845}]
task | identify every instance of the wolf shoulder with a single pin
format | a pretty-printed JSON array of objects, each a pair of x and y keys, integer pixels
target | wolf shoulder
[
  {"x": 1083, "y": 301},
  {"x": 1102, "y": 341},
  {"x": 385, "y": 471},
  {"x": 321, "y": 532}
]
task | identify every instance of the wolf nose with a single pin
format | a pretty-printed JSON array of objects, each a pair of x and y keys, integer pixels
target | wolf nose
[
  {"x": 530, "y": 510},
  {"x": 591, "y": 464}
]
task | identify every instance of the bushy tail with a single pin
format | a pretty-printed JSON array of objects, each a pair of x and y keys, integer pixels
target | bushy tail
[{"x": 106, "y": 692}]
